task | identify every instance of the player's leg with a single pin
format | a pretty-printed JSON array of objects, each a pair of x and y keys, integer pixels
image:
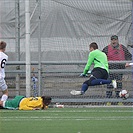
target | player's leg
[
  {"x": 5, "y": 95},
  {"x": 119, "y": 84},
  {"x": 94, "y": 74},
  {"x": 98, "y": 77},
  {"x": 84, "y": 87},
  {"x": 13, "y": 104},
  {"x": 4, "y": 89},
  {"x": 109, "y": 87},
  {"x": 101, "y": 77},
  {"x": 1, "y": 103}
]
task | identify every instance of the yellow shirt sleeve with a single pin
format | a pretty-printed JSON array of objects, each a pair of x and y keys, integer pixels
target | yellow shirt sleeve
[{"x": 31, "y": 103}]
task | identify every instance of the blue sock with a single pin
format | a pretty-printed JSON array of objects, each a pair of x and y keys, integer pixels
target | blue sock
[
  {"x": 100, "y": 82},
  {"x": 84, "y": 88}
]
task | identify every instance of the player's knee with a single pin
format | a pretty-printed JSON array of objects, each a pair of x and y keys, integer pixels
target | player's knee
[
  {"x": 1, "y": 103},
  {"x": 5, "y": 92},
  {"x": 88, "y": 82}
]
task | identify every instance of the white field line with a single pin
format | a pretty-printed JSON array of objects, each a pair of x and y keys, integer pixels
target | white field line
[
  {"x": 118, "y": 118},
  {"x": 67, "y": 111}
]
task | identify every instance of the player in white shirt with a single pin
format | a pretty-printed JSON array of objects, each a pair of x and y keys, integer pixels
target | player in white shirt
[{"x": 3, "y": 60}]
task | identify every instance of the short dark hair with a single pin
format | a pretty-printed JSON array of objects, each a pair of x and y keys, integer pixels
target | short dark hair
[
  {"x": 46, "y": 100},
  {"x": 94, "y": 45},
  {"x": 114, "y": 37},
  {"x": 2, "y": 44}
]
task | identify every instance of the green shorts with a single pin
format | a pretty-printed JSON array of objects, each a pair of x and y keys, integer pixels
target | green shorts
[{"x": 14, "y": 103}]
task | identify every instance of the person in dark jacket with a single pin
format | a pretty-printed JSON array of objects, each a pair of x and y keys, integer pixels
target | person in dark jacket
[{"x": 116, "y": 52}]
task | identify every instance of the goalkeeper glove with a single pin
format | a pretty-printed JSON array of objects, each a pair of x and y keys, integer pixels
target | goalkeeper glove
[{"x": 83, "y": 75}]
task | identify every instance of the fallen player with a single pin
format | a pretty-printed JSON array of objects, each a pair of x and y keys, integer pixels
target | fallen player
[{"x": 27, "y": 103}]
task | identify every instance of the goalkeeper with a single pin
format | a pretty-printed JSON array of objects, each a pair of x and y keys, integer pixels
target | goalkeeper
[
  {"x": 99, "y": 74},
  {"x": 26, "y": 103}
]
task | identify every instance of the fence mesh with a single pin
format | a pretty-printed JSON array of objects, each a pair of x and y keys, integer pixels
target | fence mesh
[{"x": 67, "y": 29}]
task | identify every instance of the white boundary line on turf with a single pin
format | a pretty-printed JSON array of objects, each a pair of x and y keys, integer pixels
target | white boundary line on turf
[
  {"x": 67, "y": 111},
  {"x": 65, "y": 118},
  {"x": 101, "y": 106}
]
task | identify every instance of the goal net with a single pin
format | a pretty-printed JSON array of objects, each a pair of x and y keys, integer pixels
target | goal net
[{"x": 67, "y": 29}]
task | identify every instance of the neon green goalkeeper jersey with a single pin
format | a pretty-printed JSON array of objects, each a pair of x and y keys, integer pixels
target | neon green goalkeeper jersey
[{"x": 99, "y": 59}]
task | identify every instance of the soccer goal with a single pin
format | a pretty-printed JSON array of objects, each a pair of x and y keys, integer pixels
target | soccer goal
[{"x": 60, "y": 34}]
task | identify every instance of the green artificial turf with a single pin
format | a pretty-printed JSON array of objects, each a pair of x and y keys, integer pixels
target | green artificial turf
[{"x": 68, "y": 120}]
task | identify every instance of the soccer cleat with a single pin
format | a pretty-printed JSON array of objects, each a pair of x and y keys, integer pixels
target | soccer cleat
[
  {"x": 74, "y": 92},
  {"x": 114, "y": 83}
]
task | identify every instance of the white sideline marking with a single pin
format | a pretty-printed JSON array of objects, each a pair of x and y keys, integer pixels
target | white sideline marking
[
  {"x": 65, "y": 118},
  {"x": 92, "y": 109}
]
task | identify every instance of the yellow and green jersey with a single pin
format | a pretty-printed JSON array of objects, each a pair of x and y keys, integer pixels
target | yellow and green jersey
[
  {"x": 99, "y": 59},
  {"x": 31, "y": 103},
  {"x": 24, "y": 103}
]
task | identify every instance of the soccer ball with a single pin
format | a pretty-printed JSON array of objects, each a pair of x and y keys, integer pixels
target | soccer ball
[{"x": 124, "y": 94}]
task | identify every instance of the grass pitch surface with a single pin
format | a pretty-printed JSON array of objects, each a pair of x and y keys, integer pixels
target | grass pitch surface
[{"x": 68, "y": 120}]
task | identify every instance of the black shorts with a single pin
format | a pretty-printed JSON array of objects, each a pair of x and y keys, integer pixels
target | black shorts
[{"x": 99, "y": 73}]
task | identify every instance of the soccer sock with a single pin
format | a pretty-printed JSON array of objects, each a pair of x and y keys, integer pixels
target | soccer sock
[
  {"x": 4, "y": 97},
  {"x": 100, "y": 82},
  {"x": 84, "y": 88}
]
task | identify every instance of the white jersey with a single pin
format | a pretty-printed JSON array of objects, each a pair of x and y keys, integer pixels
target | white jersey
[{"x": 3, "y": 60}]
